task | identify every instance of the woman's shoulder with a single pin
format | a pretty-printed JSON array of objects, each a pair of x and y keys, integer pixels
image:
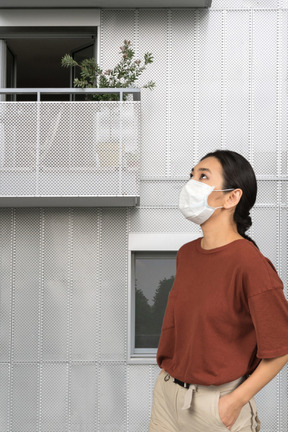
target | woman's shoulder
[
  {"x": 258, "y": 270},
  {"x": 250, "y": 254}
]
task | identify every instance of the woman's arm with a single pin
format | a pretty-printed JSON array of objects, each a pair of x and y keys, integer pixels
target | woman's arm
[{"x": 230, "y": 405}]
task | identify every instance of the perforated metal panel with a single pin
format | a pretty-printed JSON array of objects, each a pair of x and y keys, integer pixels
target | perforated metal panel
[
  {"x": 69, "y": 149},
  {"x": 220, "y": 78},
  {"x": 113, "y": 285}
]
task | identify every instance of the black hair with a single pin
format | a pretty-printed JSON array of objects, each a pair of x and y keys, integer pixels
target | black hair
[{"x": 238, "y": 173}]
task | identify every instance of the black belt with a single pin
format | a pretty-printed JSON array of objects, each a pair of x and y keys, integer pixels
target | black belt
[{"x": 181, "y": 383}]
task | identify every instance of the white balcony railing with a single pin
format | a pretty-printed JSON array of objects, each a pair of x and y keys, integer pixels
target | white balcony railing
[{"x": 69, "y": 153}]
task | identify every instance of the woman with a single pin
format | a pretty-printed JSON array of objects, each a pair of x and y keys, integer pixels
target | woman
[{"x": 225, "y": 330}]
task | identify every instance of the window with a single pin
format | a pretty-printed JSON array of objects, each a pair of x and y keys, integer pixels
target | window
[
  {"x": 154, "y": 274},
  {"x": 152, "y": 269}
]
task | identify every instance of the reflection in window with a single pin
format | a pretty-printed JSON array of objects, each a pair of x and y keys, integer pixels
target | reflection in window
[{"x": 154, "y": 275}]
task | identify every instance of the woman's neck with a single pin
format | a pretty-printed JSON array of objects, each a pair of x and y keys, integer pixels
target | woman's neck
[{"x": 216, "y": 236}]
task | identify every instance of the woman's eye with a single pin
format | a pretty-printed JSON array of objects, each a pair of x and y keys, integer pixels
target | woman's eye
[{"x": 202, "y": 176}]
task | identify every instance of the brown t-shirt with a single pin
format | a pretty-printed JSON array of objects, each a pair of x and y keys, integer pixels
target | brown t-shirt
[{"x": 225, "y": 312}]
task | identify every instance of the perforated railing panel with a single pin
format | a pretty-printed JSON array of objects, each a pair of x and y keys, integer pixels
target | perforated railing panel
[{"x": 69, "y": 148}]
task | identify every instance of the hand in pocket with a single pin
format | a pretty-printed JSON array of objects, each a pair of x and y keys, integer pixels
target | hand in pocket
[{"x": 229, "y": 410}]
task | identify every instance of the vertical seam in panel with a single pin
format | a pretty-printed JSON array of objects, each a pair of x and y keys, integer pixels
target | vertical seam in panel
[
  {"x": 126, "y": 316},
  {"x": 136, "y": 32},
  {"x": 127, "y": 396},
  {"x": 100, "y": 251},
  {"x": 279, "y": 4},
  {"x": 126, "y": 283},
  {"x": 125, "y": 326},
  {"x": 196, "y": 88},
  {"x": 279, "y": 184},
  {"x": 9, "y": 400},
  {"x": 150, "y": 388},
  {"x": 168, "y": 93},
  {"x": 223, "y": 78},
  {"x": 101, "y": 39},
  {"x": 279, "y": 130},
  {"x": 139, "y": 118},
  {"x": 70, "y": 296},
  {"x": 251, "y": 87},
  {"x": 285, "y": 168},
  {"x": 40, "y": 318},
  {"x": 11, "y": 353},
  {"x": 97, "y": 330},
  {"x": 251, "y": 102}
]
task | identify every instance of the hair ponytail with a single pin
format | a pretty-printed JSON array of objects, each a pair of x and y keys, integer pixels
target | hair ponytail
[
  {"x": 238, "y": 173},
  {"x": 243, "y": 224}
]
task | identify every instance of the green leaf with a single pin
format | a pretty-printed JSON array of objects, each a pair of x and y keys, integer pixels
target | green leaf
[{"x": 124, "y": 74}]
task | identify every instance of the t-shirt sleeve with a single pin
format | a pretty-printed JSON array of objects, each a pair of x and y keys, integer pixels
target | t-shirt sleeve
[{"x": 269, "y": 312}]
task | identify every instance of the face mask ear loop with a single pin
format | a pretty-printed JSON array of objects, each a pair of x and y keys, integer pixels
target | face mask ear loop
[
  {"x": 222, "y": 190},
  {"x": 216, "y": 190}
]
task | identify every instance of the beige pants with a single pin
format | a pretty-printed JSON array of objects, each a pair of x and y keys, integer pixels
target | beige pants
[{"x": 201, "y": 412}]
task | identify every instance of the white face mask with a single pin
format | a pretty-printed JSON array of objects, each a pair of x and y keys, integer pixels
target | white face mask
[{"x": 193, "y": 201}]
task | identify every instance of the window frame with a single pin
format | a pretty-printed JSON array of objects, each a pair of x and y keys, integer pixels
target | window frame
[{"x": 147, "y": 242}]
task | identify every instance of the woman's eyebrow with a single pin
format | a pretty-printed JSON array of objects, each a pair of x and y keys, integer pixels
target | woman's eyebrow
[{"x": 202, "y": 169}]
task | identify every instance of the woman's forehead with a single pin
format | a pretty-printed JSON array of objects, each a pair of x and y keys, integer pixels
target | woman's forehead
[{"x": 210, "y": 164}]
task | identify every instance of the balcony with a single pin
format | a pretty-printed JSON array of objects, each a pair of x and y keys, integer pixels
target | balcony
[
  {"x": 104, "y": 3},
  {"x": 71, "y": 153}
]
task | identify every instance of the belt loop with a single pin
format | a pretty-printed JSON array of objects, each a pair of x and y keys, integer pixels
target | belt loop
[
  {"x": 167, "y": 377},
  {"x": 189, "y": 397}
]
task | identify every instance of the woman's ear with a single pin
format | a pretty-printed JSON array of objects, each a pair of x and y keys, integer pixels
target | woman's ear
[{"x": 233, "y": 198}]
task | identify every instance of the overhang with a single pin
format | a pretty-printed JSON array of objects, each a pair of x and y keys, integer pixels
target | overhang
[
  {"x": 11, "y": 4},
  {"x": 69, "y": 201}
]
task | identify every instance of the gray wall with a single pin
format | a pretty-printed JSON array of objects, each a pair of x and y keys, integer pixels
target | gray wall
[{"x": 221, "y": 83}]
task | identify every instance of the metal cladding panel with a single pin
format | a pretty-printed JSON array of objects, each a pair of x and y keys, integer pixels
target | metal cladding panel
[
  {"x": 6, "y": 282},
  {"x": 283, "y": 267},
  {"x": 283, "y": 407},
  {"x": 244, "y": 5},
  {"x": 55, "y": 399},
  {"x": 4, "y": 395},
  {"x": 24, "y": 397},
  {"x": 268, "y": 239},
  {"x": 183, "y": 95},
  {"x": 283, "y": 103},
  {"x": 113, "y": 270},
  {"x": 112, "y": 397},
  {"x": 267, "y": 194},
  {"x": 209, "y": 85},
  {"x": 55, "y": 290},
  {"x": 116, "y": 26},
  {"x": 268, "y": 401},
  {"x": 84, "y": 312},
  {"x": 236, "y": 55},
  {"x": 265, "y": 92},
  {"x": 163, "y": 193},
  {"x": 154, "y": 114},
  {"x": 25, "y": 307},
  {"x": 138, "y": 377},
  {"x": 161, "y": 220},
  {"x": 84, "y": 383}
]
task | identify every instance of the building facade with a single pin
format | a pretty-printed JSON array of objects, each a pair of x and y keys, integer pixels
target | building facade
[{"x": 75, "y": 351}]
